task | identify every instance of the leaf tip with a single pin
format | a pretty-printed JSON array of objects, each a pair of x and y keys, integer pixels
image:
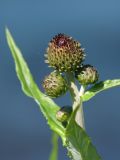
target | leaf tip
[{"x": 7, "y": 30}]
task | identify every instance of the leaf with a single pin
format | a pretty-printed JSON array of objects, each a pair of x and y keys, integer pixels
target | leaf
[
  {"x": 30, "y": 88},
  {"x": 54, "y": 151},
  {"x": 101, "y": 86},
  {"x": 78, "y": 143}
]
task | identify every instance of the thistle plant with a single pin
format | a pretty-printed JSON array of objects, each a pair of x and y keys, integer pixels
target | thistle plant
[{"x": 66, "y": 56}]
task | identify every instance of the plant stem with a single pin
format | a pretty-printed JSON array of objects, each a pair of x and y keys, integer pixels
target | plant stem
[
  {"x": 80, "y": 113},
  {"x": 76, "y": 98},
  {"x": 54, "y": 151}
]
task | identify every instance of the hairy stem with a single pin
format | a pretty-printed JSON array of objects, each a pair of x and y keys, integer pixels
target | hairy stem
[{"x": 76, "y": 98}]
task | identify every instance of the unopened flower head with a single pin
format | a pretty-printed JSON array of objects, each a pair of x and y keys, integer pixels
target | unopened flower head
[
  {"x": 87, "y": 74},
  {"x": 54, "y": 85},
  {"x": 64, "y": 53},
  {"x": 64, "y": 114}
]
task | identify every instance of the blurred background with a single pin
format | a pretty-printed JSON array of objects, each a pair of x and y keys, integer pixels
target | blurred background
[{"x": 24, "y": 134}]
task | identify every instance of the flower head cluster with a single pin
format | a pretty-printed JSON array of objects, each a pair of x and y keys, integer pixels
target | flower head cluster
[{"x": 66, "y": 55}]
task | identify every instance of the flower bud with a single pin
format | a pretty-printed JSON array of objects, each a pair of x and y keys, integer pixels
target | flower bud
[
  {"x": 64, "y": 114},
  {"x": 54, "y": 85},
  {"x": 87, "y": 74},
  {"x": 64, "y": 53}
]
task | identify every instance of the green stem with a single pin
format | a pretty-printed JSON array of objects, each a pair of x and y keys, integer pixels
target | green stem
[
  {"x": 80, "y": 113},
  {"x": 70, "y": 80},
  {"x": 76, "y": 98},
  {"x": 54, "y": 152}
]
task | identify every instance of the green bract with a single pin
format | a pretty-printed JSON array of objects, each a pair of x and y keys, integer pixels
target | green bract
[
  {"x": 54, "y": 85},
  {"x": 64, "y": 114},
  {"x": 87, "y": 74},
  {"x": 64, "y": 53}
]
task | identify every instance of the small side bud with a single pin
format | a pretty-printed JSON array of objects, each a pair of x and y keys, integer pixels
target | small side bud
[
  {"x": 87, "y": 74},
  {"x": 64, "y": 114},
  {"x": 55, "y": 85}
]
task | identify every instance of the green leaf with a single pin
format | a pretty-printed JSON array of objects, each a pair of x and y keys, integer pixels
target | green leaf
[
  {"x": 101, "y": 86},
  {"x": 78, "y": 143},
  {"x": 30, "y": 88},
  {"x": 54, "y": 151}
]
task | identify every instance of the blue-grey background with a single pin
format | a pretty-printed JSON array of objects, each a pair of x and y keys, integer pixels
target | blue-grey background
[{"x": 24, "y": 134}]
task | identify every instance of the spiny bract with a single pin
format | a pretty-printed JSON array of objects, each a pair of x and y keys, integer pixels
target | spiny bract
[
  {"x": 55, "y": 85},
  {"x": 64, "y": 53}
]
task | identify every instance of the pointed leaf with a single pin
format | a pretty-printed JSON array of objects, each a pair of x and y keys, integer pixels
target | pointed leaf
[
  {"x": 78, "y": 143},
  {"x": 101, "y": 86},
  {"x": 30, "y": 88}
]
